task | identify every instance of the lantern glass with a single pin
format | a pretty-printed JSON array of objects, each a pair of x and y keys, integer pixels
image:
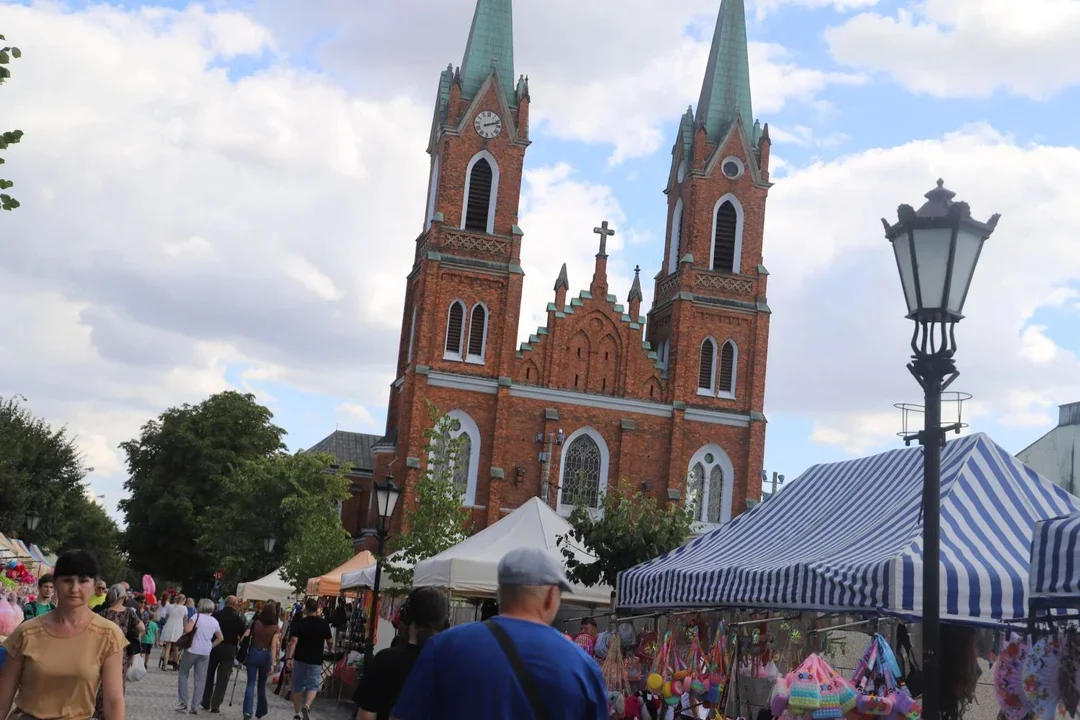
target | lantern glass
[
  {"x": 386, "y": 497},
  {"x": 932, "y": 265},
  {"x": 268, "y": 543},
  {"x": 32, "y": 520},
  {"x": 968, "y": 246},
  {"x": 905, "y": 263}
]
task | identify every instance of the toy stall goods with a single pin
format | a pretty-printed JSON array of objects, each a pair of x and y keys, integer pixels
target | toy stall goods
[
  {"x": 879, "y": 692},
  {"x": 1039, "y": 679},
  {"x": 812, "y": 691}
]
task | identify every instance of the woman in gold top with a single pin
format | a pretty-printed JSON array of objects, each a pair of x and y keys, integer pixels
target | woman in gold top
[{"x": 56, "y": 662}]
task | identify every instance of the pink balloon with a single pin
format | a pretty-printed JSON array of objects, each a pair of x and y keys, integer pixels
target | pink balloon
[{"x": 148, "y": 586}]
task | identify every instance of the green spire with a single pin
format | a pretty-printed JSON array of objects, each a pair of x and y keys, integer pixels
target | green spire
[
  {"x": 491, "y": 46},
  {"x": 725, "y": 94}
]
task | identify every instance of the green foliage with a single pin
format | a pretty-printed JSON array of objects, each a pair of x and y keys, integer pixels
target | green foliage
[
  {"x": 10, "y": 137},
  {"x": 268, "y": 496},
  {"x": 437, "y": 521},
  {"x": 634, "y": 528},
  {"x": 320, "y": 546},
  {"x": 180, "y": 468},
  {"x": 41, "y": 469}
]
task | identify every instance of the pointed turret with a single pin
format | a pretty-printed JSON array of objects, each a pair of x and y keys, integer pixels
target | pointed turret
[
  {"x": 634, "y": 298},
  {"x": 725, "y": 94},
  {"x": 490, "y": 47},
  {"x": 562, "y": 286}
]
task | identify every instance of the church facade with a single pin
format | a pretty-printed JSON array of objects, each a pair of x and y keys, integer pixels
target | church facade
[{"x": 668, "y": 399}]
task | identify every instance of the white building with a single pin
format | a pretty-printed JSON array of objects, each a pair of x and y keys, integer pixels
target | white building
[{"x": 1055, "y": 455}]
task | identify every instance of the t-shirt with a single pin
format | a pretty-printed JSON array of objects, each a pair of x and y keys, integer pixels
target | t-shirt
[
  {"x": 205, "y": 629},
  {"x": 568, "y": 680},
  {"x": 60, "y": 676},
  {"x": 311, "y": 633},
  {"x": 36, "y": 609},
  {"x": 381, "y": 683},
  {"x": 262, "y": 636},
  {"x": 150, "y": 637},
  {"x": 232, "y": 625}
]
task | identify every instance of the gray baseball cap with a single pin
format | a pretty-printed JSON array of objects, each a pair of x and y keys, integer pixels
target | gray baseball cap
[{"x": 532, "y": 566}]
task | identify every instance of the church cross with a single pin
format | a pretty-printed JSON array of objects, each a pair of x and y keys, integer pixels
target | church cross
[{"x": 604, "y": 232}]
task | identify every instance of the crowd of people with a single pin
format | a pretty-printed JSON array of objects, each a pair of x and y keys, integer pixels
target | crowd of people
[{"x": 71, "y": 657}]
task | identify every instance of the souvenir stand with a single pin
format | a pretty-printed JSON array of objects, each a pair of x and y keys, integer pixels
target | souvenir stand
[
  {"x": 844, "y": 542},
  {"x": 1038, "y": 673}
]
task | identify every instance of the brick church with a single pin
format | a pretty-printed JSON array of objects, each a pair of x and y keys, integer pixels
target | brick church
[{"x": 666, "y": 399}]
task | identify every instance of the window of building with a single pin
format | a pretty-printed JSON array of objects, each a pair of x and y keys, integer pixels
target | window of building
[
  {"x": 477, "y": 334},
  {"x": 433, "y": 191},
  {"x": 676, "y": 237},
  {"x": 708, "y": 492},
  {"x": 463, "y": 467},
  {"x": 724, "y": 236},
  {"x": 583, "y": 475},
  {"x": 729, "y": 356},
  {"x": 707, "y": 367},
  {"x": 412, "y": 334},
  {"x": 481, "y": 193},
  {"x": 455, "y": 328}
]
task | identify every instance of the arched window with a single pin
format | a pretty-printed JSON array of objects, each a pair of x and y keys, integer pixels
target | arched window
[
  {"x": 729, "y": 357},
  {"x": 481, "y": 193},
  {"x": 465, "y": 462},
  {"x": 477, "y": 334},
  {"x": 583, "y": 475},
  {"x": 433, "y": 191},
  {"x": 455, "y": 329},
  {"x": 412, "y": 334},
  {"x": 727, "y": 235},
  {"x": 709, "y": 486},
  {"x": 676, "y": 237},
  {"x": 707, "y": 367}
]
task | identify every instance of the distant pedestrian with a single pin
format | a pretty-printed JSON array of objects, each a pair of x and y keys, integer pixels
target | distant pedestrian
[
  {"x": 43, "y": 602},
  {"x": 309, "y": 634},
  {"x": 206, "y": 635},
  {"x": 175, "y": 618},
  {"x": 219, "y": 670},
  {"x": 263, "y": 650},
  {"x": 115, "y": 610}
]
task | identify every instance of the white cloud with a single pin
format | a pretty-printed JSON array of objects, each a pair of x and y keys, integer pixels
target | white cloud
[
  {"x": 839, "y": 339},
  {"x": 767, "y": 7},
  {"x": 356, "y": 418},
  {"x": 967, "y": 48},
  {"x": 311, "y": 278}
]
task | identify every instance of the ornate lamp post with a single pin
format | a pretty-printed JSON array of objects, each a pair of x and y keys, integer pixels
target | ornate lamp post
[
  {"x": 32, "y": 520},
  {"x": 268, "y": 544},
  {"x": 386, "y": 498},
  {"x": 937, "y": 248}
]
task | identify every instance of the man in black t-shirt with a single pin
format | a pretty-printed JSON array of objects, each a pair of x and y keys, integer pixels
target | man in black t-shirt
[
  {"x": 305, "y": 652},
  {"x": 424, "y": 614},
  {"x": 219, "y": 669}
]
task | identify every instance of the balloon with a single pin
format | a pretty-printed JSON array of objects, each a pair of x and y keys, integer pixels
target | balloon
[
  {"x": 151, "y": 599},
  {"x": 148, "y": 585}
]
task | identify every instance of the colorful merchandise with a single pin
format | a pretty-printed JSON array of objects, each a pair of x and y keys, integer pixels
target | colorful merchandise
[
  {"x": 1040, "y": 677},
  {"x": 1008, "y": 679},
  {"x": 814, "y": 690}
]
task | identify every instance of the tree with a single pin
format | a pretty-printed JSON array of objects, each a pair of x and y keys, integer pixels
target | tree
[
  {"x": 275, "y": 496},
  {"x": 178, "y": 469},
  {"x": 41, "y": 469},
  {"x": 436, "y": 521},
  {"x": 7, "y": 54},
  {"x": 634, "y": 528},
  {"x": 320, "y": 546}
]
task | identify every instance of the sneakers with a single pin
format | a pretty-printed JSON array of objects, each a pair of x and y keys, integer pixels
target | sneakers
[
  {"x": 182, "y": 708},
  {"x": 305, "y": 711},
  {"x": 297, "y": 717}
]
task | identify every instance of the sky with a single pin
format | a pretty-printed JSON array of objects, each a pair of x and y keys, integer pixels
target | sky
[{"x": 226, "y": 195}]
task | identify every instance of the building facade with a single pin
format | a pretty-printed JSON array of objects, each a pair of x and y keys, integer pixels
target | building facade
[
  {"x": 1056, "y": 455},
  {"x": 669, "y": 399}
]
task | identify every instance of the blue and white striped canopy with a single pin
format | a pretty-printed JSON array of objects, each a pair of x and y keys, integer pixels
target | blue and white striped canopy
[
  {"x": 1055, "y": 561},
  {"x": 848, "y": 537}
]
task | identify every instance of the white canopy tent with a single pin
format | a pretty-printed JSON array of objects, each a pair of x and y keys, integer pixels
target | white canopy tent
[
  {"x": 271, "y": 587},
  {"x": 469, "y": 569},
  {"x": 365, "y": 576}
]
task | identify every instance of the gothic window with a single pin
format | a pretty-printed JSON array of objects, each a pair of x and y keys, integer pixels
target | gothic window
[
  {"x": 708, "y": 496},
  {"x": 729, "y": 354},
  {"x": 455, "y": 328},
  {"x": 676, "y": 237},
  {"x": 481, "y": 189},
  {"x": 463, "y": 466},
  {"x": 707, "y": 366},
  {"x": 583, "y": 479},
  {"x": 725, "y": 237},
  {"x": 477, "y": 333}
]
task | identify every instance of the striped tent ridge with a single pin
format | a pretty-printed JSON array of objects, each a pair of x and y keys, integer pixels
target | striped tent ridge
[
  {"x": 847, "y": 537},
  {"x": 1055, "y": 561}
]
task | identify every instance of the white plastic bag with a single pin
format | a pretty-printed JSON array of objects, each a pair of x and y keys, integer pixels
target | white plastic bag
[{"x": 137, "y": 671}]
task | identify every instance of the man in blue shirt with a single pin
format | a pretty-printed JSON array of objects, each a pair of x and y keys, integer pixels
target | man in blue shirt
[{"x": 512, "y": 666}]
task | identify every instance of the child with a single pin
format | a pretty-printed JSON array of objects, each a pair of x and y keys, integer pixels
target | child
[{"x": 148, "y": 641}]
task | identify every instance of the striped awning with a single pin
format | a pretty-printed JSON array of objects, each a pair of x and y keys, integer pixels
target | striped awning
[
  {"x": 847, "y": 537},
  {"x": 1055, "y": 561}
]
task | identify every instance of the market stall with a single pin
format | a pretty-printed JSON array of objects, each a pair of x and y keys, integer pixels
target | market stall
[
  {"x": 469, "y": 569},
  {"x": 329, "y": 585},
  {"x": 365, "y": 576},
  {"x": 1055, "y": 563},
  {"x": 847, "y": 537},
  {"x": 269, "y": 588}
]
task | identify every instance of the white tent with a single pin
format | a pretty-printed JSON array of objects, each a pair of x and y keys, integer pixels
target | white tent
[
  {"x": 469, "y": 569},
  {"x": 271, "y": 587},
  {"x": 365, "y": 576}
]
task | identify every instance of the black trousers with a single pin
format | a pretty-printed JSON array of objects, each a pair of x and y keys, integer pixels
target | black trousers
[{"x": 218, "y": 672}]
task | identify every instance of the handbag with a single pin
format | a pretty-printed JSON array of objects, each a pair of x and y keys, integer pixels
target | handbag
[
  {"x": 184, "y": 643},
  {"x": 245, "y": 644},
  {"x": 913, "y": 678},
  {"x": 131, "y": 634}
]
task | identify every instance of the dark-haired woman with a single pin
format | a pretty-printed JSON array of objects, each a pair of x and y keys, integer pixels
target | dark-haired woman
[
  {"x": 265, "y": 642},
  {"x": 56, "y": 662},
  {"x": 425, "y": 614}
]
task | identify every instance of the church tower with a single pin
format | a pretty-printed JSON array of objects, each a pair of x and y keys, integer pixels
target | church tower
[{"x": 709, "y": 321}]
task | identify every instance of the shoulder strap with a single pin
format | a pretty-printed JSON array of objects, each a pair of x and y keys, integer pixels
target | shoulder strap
[{"x": 528, "y": 683}]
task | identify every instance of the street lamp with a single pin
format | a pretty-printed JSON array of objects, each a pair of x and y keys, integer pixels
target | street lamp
[
  {"x": 386, "y": 499},
  {"x": 936, "y": 248},
  {"x": 32, "y": 520},
  {"x": 268, "y": 543}
]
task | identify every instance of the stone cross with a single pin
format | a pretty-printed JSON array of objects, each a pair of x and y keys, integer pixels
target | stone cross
[{"x": 604, "y": 232}]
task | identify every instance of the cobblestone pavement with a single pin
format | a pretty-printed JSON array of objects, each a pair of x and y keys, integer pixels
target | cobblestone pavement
[{"x": 154, "y": 698}]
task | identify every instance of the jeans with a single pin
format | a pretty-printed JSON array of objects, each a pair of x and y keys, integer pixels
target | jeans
[
  {"x": 198, "y": 663},
  {"x": 258, "y": 668},
  {"x": 218, "y": 672}
]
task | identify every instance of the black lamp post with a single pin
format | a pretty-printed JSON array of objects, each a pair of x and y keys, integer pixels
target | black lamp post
[
  {"x": 268, "y": 547},
  {"x": 32, "y": 520},
  {"x": 386, "y": 498},
  {"x": 937, "y": 248}
]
